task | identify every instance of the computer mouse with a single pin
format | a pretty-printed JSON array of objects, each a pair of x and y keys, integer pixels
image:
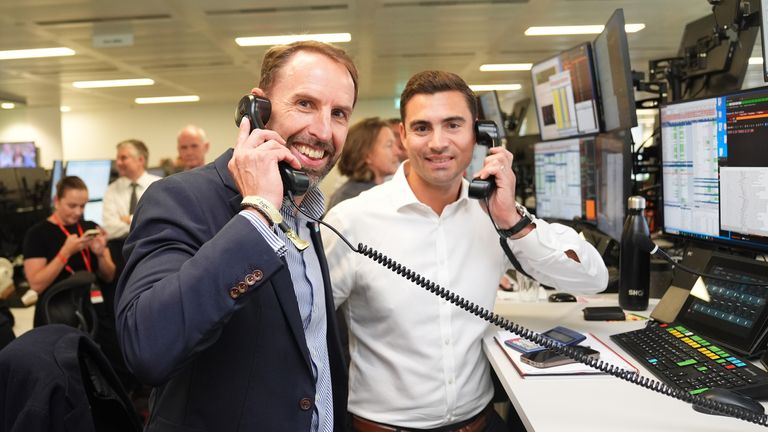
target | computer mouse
[
  {"x": 729, "y": 397},
  {"x": 560, "y": 297}
]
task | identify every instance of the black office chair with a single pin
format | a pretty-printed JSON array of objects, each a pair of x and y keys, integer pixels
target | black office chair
[
  {"x": 55, "y": 378},
  {"x": 67, "y": 302}
]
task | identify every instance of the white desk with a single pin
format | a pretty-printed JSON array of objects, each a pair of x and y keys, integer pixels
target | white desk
[{"x": 597, "y": 403}]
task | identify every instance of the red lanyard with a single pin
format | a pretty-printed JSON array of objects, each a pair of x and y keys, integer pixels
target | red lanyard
[{"x": 86, "y": 253}]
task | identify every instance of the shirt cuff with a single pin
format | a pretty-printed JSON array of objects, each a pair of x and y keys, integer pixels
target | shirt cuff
[
  {"x": 277, "y": 244},
  {"x": 540, "y": 243}
]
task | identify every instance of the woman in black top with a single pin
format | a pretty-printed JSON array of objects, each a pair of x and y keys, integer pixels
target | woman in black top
[{"x": 56, "y": 248}]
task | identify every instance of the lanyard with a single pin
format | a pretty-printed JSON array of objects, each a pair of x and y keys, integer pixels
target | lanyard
[{"x": 86, "y": 253}]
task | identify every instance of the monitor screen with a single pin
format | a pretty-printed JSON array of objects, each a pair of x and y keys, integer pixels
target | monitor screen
[
  {"x": 612, "y": 175},
  {"x": 57, "y": 172},
  {"x": 564, "y": 174},
  {"x": 491, "y": 108},
  {"x": 715, "y": 169},
  {"x": 614, "y": 72},
  {"x": 18, "y": 155},
  {"x": 93, "y": 211},
  {"x": 95, "y": 174},
  {"x": 565, "y": 92},
  {"x": 764, "y": 34}
]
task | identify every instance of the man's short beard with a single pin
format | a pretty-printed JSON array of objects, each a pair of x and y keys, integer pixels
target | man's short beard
[{"x": 316, "y": 175}]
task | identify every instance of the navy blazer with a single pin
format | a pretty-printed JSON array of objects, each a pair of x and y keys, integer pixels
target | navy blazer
[{"x": 206, "y": 312}]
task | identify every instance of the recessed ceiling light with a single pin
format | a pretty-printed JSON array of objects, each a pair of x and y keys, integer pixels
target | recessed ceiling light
[
  {"x": 167, "y": 99},
  {"x": 35, "y": 53},
  {"x": 755, "y": 60},
  {"x": 286, "y": 39},
  {"x": 577, "y": 30},
  {"x": 113, "y": 83},
  {"x": 7, "y": 105},
  {"x": 505, "y": 67},
  {"x": 489, "y": 87},
  {"x": 65, "y": 108}
]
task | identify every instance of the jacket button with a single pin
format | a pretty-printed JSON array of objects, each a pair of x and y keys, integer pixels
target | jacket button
[
  {"x": 242, "y": 287},
  {"x": 305, "y": 404},
  {"x": 234, "y": 292},
  {"x": 249, "y": 279},
  {"x": 258, "y": 274}
]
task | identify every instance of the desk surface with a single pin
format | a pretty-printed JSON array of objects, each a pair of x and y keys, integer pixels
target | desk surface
[{"x": 596, "y": 403}]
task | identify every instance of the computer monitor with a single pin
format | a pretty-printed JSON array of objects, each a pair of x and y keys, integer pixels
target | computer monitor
[
  {"x": 716, "y": 63},
  {"x": 95, "y": 174},
  {"x": 614, "y": 73},
  {"x": 715, "y": 169},
  {"x": 94, "y": 211},
  {"x": 565, "y": 94},
  {"x": 490, "y": 109},
  {"x": 564, "y": 174},
  {"x": 18, "y": 155},
  {"x": 764, "y": 45},
  {"x": 613, "y": 165},
  {"x": 57, "y": 172}
]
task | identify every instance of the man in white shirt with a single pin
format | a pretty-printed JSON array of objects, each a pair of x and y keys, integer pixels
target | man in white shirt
[
  {"x": 417, "y": 360},
  {"x": 122, "y": 194},
  {"x": 192, "y": 144}
]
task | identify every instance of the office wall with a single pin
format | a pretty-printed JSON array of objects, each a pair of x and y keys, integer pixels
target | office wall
[
  {"x": 40, "y": 125},
  {"x": 94, "y": 134}
]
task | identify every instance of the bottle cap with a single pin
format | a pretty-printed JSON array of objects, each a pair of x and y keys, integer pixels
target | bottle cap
[{"x": 636, "y": 203}]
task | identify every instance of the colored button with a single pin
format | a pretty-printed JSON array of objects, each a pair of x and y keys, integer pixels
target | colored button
[
  {"x": 305, "y": 404},
  {"x": 686, "y": 362},
  {"x": 234, "y": 292},
  {"x": 258, "y": 274},
  {"x": 249, "y": 279},
  {"x": 242, "y": 287}
]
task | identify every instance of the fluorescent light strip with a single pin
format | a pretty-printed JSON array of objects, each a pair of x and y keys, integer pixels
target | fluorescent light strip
[
  {"x": 490, "y": 87},
  {"x": 755, "y": 60},
  {"x": 36, "y": 53},
  {"x": 286, "y": 39},
  {"x": 577, "y": 30},
  {"x": 65, "y": 109},
  {"x": 114, "y": 83},
  {"x": 505, "y": 67},
  {"x": 7, "y": 105},
  {"x": 167, "y": 99}
]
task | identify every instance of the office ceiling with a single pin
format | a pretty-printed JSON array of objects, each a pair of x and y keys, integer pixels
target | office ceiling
[{"x": 187, "y": 46}]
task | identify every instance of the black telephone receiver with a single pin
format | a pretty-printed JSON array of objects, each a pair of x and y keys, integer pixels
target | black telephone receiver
[
  {"x": 486, "y": 134},
  {"x": 258, "y": 110}
]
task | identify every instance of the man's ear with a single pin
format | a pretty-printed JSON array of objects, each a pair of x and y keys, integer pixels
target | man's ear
[{"x": 258, "y": 92}]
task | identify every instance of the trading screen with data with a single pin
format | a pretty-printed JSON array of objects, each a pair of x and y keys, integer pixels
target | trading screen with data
[{"x": 715, "y": 168}]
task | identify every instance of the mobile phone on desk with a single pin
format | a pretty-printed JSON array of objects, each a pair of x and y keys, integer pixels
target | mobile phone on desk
[
  {"x": 559, "y": 334},
  {"x": 549, "y": 358}
]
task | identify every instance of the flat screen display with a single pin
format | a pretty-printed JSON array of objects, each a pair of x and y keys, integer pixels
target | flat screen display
[
  {"x": 565, "y": 91},
  {"x": 95, "y": 174}
]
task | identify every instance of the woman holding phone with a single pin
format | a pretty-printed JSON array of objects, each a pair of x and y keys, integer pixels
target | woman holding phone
[{"x": 63, "y": 244}]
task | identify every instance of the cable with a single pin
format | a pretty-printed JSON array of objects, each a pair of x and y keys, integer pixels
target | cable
[{"x": 570, "y": 352}]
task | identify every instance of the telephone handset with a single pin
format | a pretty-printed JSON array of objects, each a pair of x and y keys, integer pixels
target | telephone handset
[
  {"x": 258, "y": 110},
  {"x": 486, "y": 135}
]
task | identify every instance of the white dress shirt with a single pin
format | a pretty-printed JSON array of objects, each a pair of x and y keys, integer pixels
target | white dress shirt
[
  {"x": 117, "y": 200},
  {"x": 417, "y": 360}
]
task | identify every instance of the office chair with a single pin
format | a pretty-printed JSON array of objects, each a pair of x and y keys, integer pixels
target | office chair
[
  {"x": 55, "y": 378},
  {"x": 66, "y": 302}
]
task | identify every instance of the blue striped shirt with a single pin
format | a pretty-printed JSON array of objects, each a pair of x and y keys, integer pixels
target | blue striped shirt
[{"x": 310, "y": 294}]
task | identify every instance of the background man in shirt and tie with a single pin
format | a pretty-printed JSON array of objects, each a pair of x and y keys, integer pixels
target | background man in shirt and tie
[{"x": 122, "y": 194}]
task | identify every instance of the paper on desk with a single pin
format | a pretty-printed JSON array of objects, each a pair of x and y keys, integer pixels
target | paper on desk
[{"x": 607, "y": 355}]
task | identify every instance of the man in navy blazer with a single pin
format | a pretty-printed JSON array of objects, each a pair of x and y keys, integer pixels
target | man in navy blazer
[{"x": 216, "y": 308}]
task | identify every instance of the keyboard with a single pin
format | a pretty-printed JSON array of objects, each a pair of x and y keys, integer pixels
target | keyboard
[{"x": 688, "y": 362}]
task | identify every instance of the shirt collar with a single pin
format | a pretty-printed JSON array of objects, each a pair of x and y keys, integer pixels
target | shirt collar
[
  {"x": 404, "y": 195},
  {"x": 313, "y": 204}
]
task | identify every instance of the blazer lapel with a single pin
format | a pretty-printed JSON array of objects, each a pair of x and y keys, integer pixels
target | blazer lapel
[{"x": 286, "y": 296}]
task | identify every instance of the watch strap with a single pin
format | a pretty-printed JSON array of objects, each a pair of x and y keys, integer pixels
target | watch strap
[{"x": 526, "y": 220}]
